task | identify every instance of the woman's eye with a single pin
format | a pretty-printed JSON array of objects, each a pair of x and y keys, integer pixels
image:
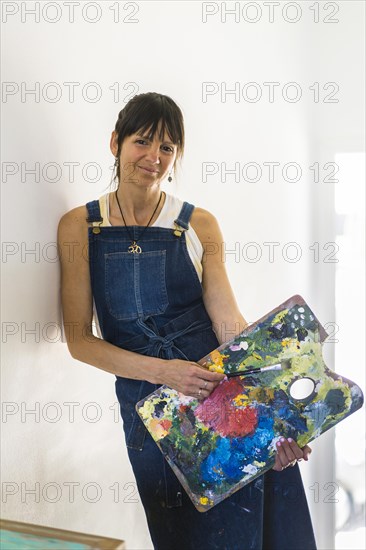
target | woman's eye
[{"x": 165, "y": 148}]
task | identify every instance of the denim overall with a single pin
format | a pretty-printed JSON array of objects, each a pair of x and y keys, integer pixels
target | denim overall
[{"x": 151, "y": 303}]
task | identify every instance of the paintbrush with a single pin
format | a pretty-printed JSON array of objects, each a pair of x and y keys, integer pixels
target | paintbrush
[{"x": 254, "y": 370}]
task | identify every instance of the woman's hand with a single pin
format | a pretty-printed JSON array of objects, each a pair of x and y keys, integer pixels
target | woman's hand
[
  {"x": 190, "y": 378},
  {"x": 288, "y": 453}
]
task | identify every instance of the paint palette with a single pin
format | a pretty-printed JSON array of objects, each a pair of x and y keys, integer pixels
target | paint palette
[{"x": 217, "y": 446}]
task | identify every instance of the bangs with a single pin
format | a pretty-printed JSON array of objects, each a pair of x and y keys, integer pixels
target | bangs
[
  {"x": 157, "y": 116},
  {"x": 166, "y": 126},
  {"x": 150, "y": 114}
]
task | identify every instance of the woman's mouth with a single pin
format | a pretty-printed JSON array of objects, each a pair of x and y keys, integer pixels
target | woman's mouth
[{"x": 148, "y": 170}]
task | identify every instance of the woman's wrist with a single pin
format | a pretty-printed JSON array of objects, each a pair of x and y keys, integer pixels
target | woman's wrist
[{"x": 155, "y": 370}]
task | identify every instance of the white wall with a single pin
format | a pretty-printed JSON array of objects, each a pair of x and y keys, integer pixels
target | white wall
[{"x": 170, "y": 50}]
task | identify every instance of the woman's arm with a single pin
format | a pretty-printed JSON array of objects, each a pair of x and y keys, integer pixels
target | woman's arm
[
  {"x": 227, "y": 321},
  {"x": 218, "y": 297},
  {"x": 77, "y": 305}
]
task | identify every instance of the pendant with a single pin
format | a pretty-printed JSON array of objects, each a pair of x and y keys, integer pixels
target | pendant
[{"x": 135, "y": 248}]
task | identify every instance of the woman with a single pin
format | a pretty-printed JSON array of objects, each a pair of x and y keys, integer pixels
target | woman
[{"x": 162, "y": 302}]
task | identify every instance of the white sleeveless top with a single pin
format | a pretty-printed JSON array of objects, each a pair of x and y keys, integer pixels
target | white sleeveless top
[{"x": 168, "y": 214}]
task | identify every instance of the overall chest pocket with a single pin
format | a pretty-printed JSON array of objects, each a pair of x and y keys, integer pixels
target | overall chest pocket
[{"x": 135, "y": 284}]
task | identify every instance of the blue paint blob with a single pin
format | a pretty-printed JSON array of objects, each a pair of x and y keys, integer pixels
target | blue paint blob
[
  {"x": 212, "y": 466},
  {"x": 287, "y": 415},
  {"x": 225, "y": 463}
]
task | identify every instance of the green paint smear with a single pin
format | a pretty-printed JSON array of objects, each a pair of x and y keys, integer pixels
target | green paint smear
[{"x": 265, "y": 342}]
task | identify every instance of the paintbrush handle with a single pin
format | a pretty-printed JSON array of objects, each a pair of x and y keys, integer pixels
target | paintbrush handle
[
  {"x": 243, "y": 373},
  {"x": 254, "y": 370}
]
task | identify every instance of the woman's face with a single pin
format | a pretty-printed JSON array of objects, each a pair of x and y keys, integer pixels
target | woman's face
[{"x": 144, "y": 161}]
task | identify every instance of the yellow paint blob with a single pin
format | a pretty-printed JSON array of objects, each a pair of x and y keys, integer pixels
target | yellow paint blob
[
  {"x": 218, "y": 359},
  {"x": 240, "y": 400},
  {"x": 148, "y": 408},
  {"x": 206, "y": 501},
  {"x": 279, "y": 317}
]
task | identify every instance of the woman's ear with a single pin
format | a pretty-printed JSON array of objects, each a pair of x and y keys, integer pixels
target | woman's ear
[{"x": 114, "y": 143}]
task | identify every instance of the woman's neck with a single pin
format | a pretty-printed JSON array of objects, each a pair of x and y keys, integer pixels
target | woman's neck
[{"x": 136, "y": 209}]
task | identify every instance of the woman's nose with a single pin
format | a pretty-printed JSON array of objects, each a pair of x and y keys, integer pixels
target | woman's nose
[{"x": 153, "y": 154}]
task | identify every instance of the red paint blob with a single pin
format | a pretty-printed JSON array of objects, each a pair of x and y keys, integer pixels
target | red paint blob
[
  {"x": 166, "y": 424},
  {"x": 220, "y": 412}
]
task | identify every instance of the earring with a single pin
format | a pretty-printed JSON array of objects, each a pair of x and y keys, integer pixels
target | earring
[
  {"x": 170, "y": 177},
  {"x": 116, "y": 161}
]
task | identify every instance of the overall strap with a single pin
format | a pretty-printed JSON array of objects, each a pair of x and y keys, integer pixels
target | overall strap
[
  {"x": 93, "y": 211},
  {"x": 181, "y": 223},
  {"x": 94, "y": 216}
]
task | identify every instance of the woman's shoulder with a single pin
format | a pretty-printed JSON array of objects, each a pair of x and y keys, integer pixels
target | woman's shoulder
[
  {"x": 205, "y": 224},
  {"x": 202, "y": 215},
  {"x": 73, "y": 222},
  {"x": 75, "y": 215}
]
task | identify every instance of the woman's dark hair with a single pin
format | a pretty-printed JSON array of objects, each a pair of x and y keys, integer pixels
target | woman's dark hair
[{"x": 145, "y": 111}]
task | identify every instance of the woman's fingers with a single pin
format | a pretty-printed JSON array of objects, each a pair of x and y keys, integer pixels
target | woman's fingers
[
  {"x": 207, "y": 382},
  {"x": 285, "y": 452},
  {"x": 288, "y": 453},
  {"x": 205, "y": 388},
  {"x": 295, "y": 449},
  {"x": 306, "y": 452},
  {"x": 191, "y": 378},
  {"x": 277, "y": 466}
]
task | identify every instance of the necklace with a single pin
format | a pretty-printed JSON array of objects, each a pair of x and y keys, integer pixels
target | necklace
[{"x": 134, "y": 247}]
